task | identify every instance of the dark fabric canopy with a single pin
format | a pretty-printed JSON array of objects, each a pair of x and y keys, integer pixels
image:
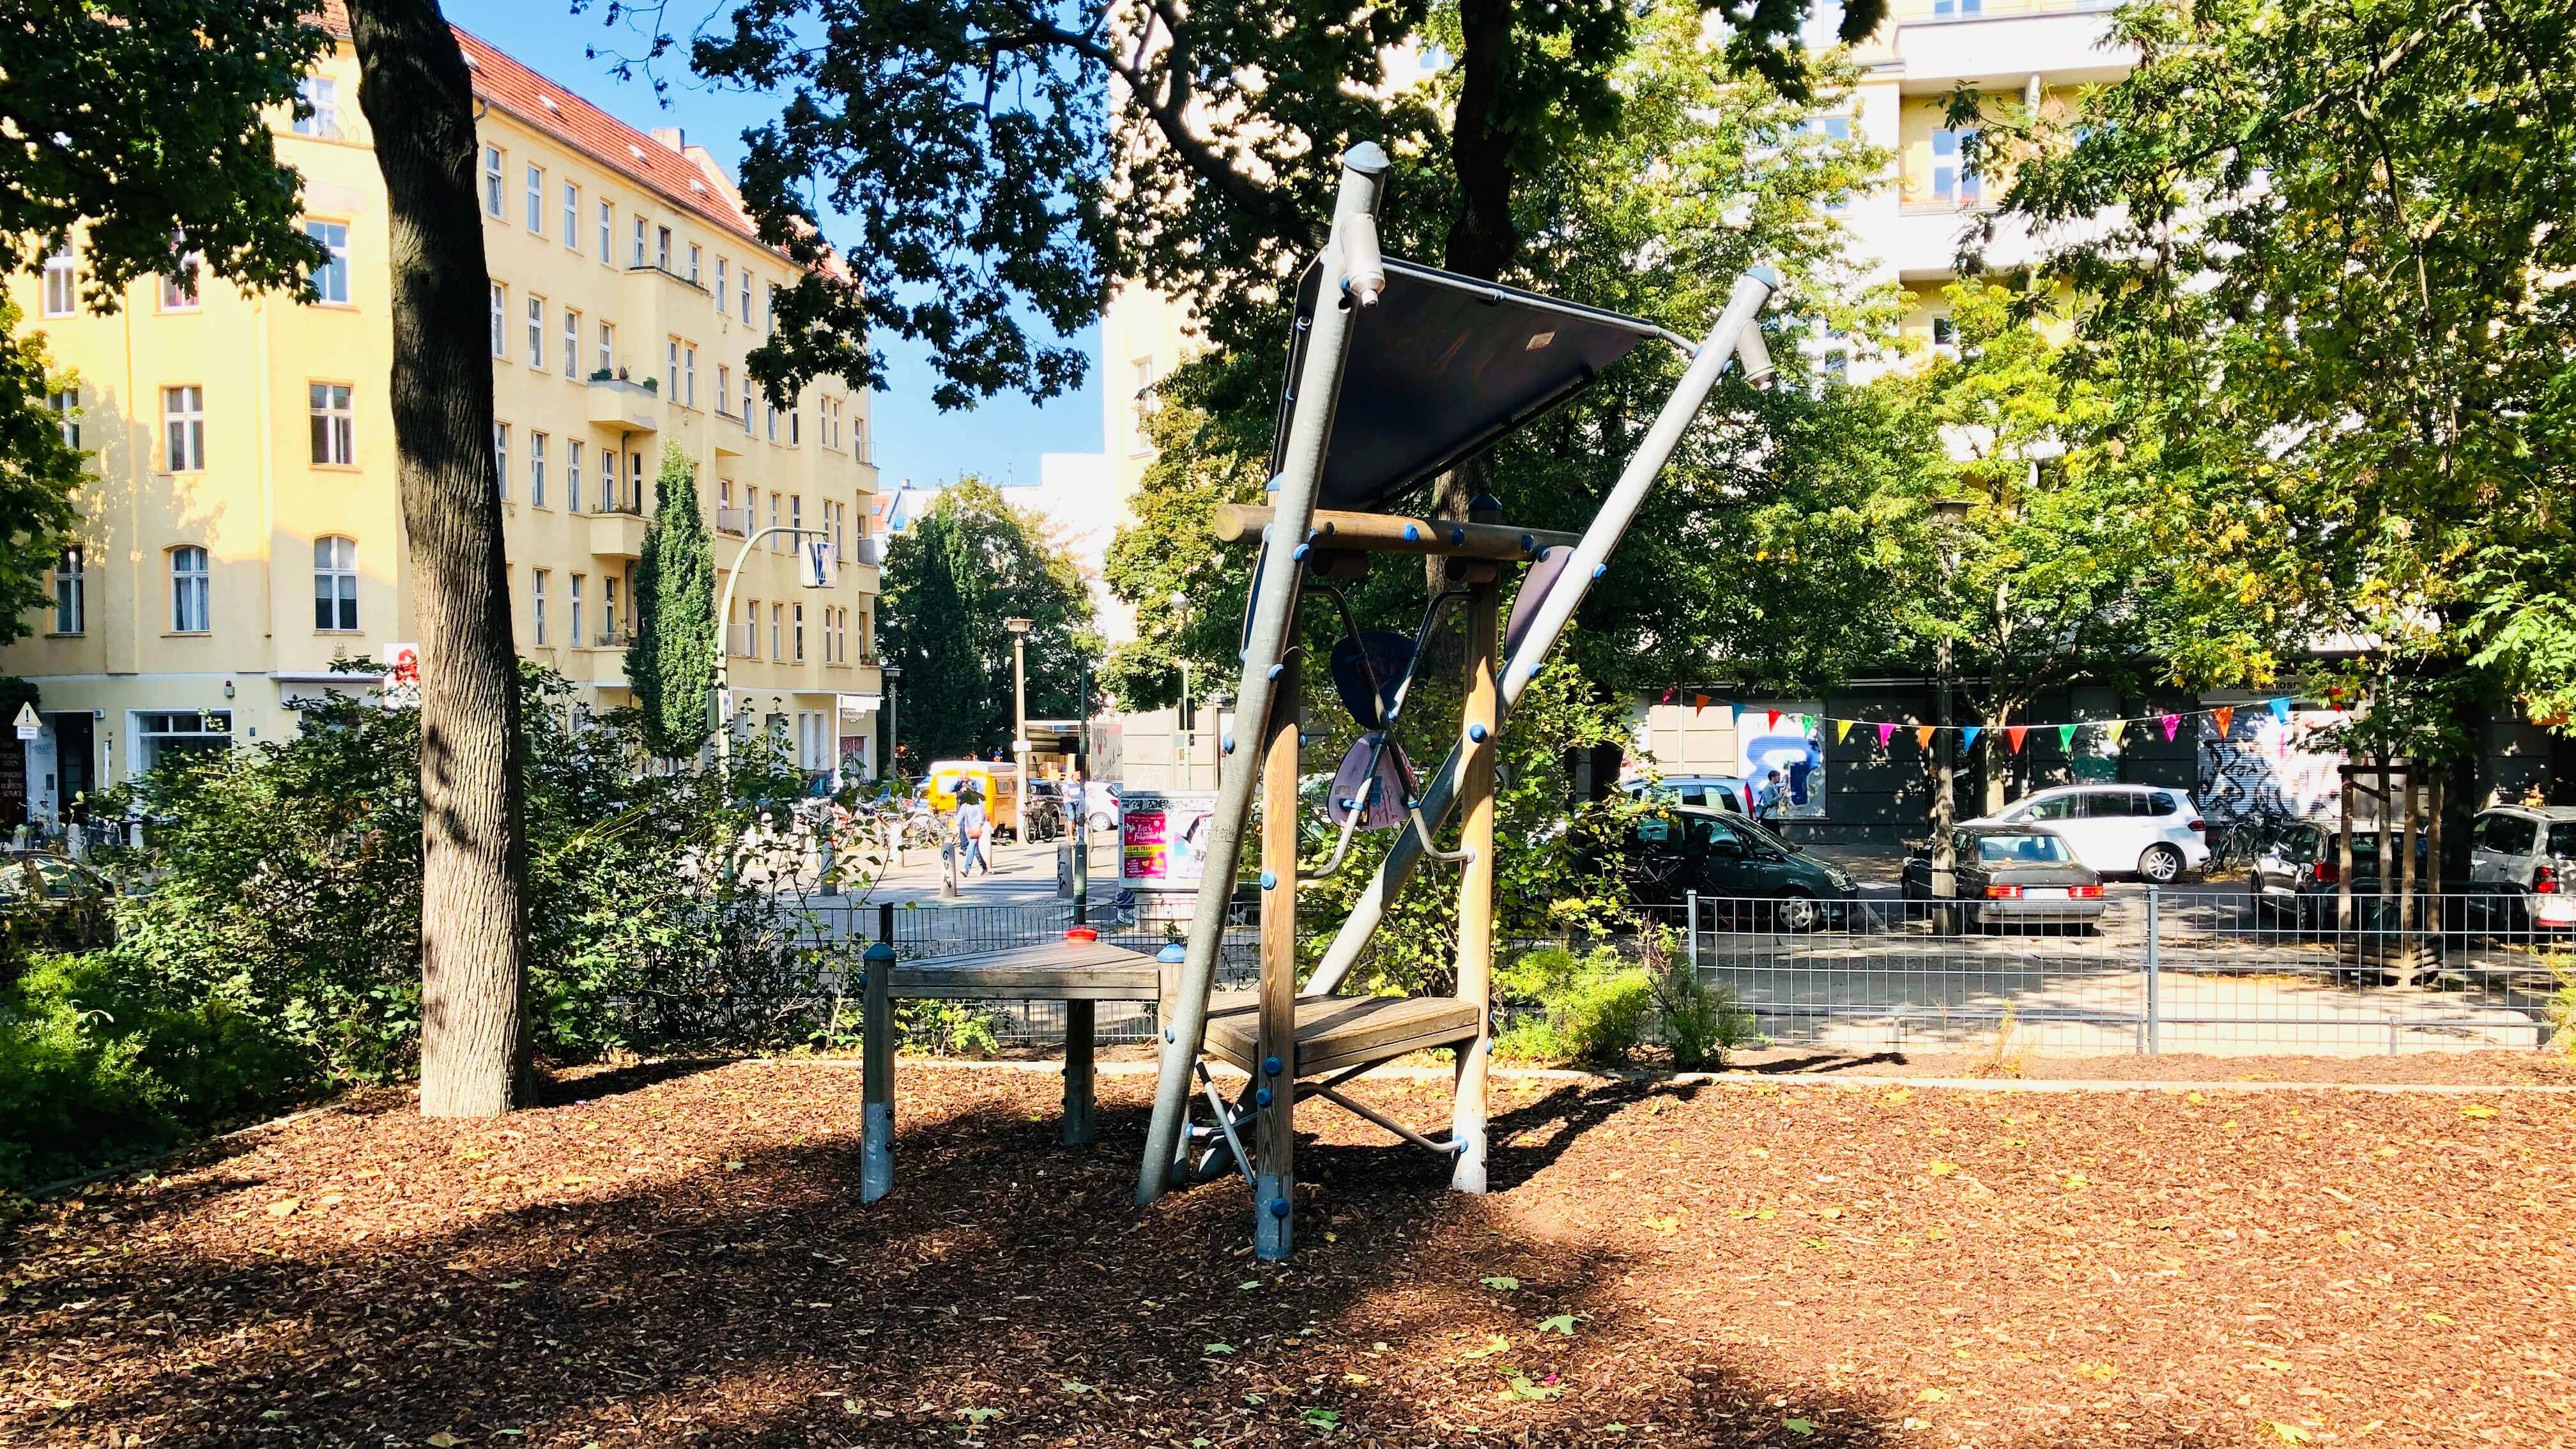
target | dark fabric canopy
[{"x": 1440, "y": 369}]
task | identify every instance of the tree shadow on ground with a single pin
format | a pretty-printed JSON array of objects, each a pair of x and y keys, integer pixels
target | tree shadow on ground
[
  {"x": 573, "y": 1088},
  {"x": 1008, "y": 1289}
]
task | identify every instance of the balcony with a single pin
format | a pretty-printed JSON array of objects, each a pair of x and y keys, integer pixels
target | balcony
[
  {"x": 1999, "y": 47},
  {"x": 739, "y": 639},
  {"x": 617, "y": 534},
  {"x": 617, "y": 403},
  {"x": 736, "y": 521}
]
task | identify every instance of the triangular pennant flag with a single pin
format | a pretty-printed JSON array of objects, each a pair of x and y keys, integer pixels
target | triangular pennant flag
[
  {"x": 2171, "y": 722},
  {"x": 1886, "y": 732},
  {"x": 2015, "y": 733},
  {"x": 2113, "y": 729},
  {"x": 2066, "y": 738},
  {"x": 1842, "y": 727},
  {"x": 2280, "y": 709},
  {"x": 2225, "y": 714},
  {"x": 1968, "y": 736},
  {"x": 1923, "y": 737},
  {"x": 1806, "y": 724},
  {"x": 1771, "y": 719},
  {"x": 1699, "y": 701},
  {"x": 1668, "y": 695}
]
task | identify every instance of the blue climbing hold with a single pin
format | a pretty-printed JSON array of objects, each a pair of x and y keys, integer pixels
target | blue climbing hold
[
  {"x": 1476, "y": 732},
  {"x": 1270, "y": 1066},
  {"x": 1298, "y": 553},
  {"x": 1276, "y": 670},
  {"x": 1457, "y": 536},
  {"x": 1173, "y": 951},
  {"x": 1229, "y": 742},
  {"x": 1261, "y": 1098},
  {"x": 1412, "y": 534},
  {"x": 877, "y": 951},
  {"x": 1270, "y": 880},
  {"x": 1599, "y": 569},
  {"x": 1279, "y": 1207}
]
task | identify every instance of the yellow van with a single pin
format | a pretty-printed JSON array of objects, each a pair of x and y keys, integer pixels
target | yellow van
[{"x": 997, "y": 782}]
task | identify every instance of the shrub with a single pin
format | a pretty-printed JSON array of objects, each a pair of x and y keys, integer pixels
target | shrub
[{"x": 1591, "y": 1009}]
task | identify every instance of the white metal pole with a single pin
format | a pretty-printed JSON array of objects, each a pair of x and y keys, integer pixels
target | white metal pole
[
  {"x": 724, "y": 622},
  {"x": 1734, "y": 329}
]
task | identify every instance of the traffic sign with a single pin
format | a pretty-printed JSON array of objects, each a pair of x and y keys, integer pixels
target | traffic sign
[{"x": 29, "y": 726}]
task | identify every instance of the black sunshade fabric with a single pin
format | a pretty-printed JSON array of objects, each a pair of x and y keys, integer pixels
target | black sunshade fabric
[{"x": 1442, "y": 367}]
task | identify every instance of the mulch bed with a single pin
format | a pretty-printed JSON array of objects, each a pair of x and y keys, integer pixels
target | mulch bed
[{"x": 680, "y": 1256}]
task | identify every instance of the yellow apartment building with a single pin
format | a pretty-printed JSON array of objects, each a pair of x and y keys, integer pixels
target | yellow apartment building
[{"x": 241, "y": 534}]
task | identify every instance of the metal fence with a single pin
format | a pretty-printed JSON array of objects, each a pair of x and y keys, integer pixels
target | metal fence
[
  {"x": 2222, "y": 973},
  {"x": 2211, "y": 972}
]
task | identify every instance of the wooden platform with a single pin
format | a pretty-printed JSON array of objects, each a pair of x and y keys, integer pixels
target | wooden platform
[
  {"x": 1048, "y": 971},
  {"x": 1339, "y": 1032}
]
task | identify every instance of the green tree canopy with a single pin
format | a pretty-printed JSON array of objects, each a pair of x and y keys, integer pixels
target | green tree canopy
[
  {"x": 39, "y": 473},
  {"x": 963, "y": 567}
]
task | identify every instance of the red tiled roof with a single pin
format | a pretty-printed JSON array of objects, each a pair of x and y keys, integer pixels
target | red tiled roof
[{"x": 615, "y": 145}]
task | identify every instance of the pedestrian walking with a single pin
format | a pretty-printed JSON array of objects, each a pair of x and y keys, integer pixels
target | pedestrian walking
[
  {"x": 971, "y": 826},
  {"x": 1774, "y": 794}
]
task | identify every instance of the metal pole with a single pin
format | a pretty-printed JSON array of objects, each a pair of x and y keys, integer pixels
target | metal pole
[
  {"x": 1082, "y": 815},
  {"x": 2155, "y": 971},
  {"x": 1350, "y": 272},
  {"x": 1733, "y": 331},
  {"x": 1945, "y": 859},
  {"x": 724, "y": 622},
  {"x": 876, "y": 1069},
  {"x": 1690, "y": 930}
]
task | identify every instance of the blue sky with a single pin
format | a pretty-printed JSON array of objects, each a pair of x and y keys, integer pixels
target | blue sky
[{"x": 913, "y": 439}]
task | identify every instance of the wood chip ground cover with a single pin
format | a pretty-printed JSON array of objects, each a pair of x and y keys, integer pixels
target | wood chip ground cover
[{"x": 682, "y": 1258}]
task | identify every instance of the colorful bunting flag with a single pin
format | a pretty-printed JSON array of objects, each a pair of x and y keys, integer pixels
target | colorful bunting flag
[
  {"x": 2280, "y": 710},
  {"x": 2066, "y": 738},
  {"x": 1842, "y": 727},
  {"x": 2171, "y": 722},
  {"x": 1668, "y": 695},
  {"x": 2015, "y": 733},
  {"x": 1771, "y": 720},
  {"x": 1886, "y": 732},
  {"x": 1968, "y": 736},
  {"x": 1923, "y": 737},
  {"x": 1699, "y": 701},
  {"x": 2225, "y": 714},
  {"x": 2113, "y": 729}
]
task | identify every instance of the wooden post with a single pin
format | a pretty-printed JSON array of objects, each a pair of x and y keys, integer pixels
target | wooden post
[
  {"x": 2406, "y": 863},
  {"x": 876, "y": 1070},
  {"x": 1479, "y": 721},
  {"x": 1274, "y": 1078},
  {"x": 1078, "y": 1019},
  {"x": 2433, "y": 847}
]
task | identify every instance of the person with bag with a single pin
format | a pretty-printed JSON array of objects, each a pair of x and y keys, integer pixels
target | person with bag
[{"x": 971, "y": 825}]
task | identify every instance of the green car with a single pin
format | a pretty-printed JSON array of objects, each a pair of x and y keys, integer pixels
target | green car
[{"x": 1735, "y": 862}]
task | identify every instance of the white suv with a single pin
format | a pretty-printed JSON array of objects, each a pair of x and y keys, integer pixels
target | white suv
[
  {"x": 2139, "y": 830},
  {"x": 2523, "y": 850}
]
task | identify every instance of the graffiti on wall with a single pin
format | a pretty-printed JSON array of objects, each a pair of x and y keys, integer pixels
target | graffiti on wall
[
  {"x": 2262, "y": 769},
  {"x": 1790, "y": 740}
]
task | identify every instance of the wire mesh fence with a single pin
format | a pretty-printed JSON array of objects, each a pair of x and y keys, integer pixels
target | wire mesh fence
[{"x": 2223, "y": 973}]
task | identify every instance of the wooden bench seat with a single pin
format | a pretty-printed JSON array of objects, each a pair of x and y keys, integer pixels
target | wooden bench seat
[
  {"x": 1048, "y": 971},
  {"x": 1335, "y": 1033}
]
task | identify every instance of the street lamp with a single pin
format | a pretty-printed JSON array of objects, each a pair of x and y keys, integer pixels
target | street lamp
[
  {"x": 1949, "y": 517},
  {"x": 893, "y": 762},
  {"x": 1020, "y": 697}
]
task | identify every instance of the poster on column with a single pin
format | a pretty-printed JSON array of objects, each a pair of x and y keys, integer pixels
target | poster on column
[
  {"x": 1780, "y": 752},
  {"x": 1162, "y": 838}
]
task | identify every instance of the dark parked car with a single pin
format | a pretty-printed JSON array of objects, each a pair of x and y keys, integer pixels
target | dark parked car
[
  {"x": 1043, "y": 810},
  {"x": 1746, "y": 869},
  {"x": 2298, "y": 881},
  {"x": 54, "y": 900},
  {"x": 2009, "y": 873}
]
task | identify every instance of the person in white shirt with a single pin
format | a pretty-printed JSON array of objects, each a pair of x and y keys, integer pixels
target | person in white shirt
[{"x": 971, "y": 826}]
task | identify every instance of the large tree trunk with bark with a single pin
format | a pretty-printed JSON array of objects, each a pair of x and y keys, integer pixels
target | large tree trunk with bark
[
  {"x": 1482, "y": 239},
  {"x": 419, "y": 101}
]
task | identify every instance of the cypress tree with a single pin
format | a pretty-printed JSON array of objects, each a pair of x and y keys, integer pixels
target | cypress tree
[{"x": 670, "y": 666}]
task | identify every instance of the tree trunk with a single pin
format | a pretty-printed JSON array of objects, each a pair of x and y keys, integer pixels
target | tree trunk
[
  {"x": 474, "y": 1059},
  {"x": 1482, "y": 239}
]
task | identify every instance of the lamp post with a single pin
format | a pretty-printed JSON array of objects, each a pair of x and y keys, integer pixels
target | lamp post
[
  {"x": 1020, "y": 705},
  {"x": 893, "y": 762},
  {"x": 724, "y": 627},
  {"x": 1949, "y": 515}
]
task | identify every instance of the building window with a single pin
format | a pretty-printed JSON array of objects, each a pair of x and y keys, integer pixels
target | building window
[
  {"x": 777, "y": 626},
  {"x": 572, "y": 342},
  {"x": 772, "y": 410},
  {"x": 607, "y": 348},
  {"x": 536, "y": 470},
  {"x": 859, "y": 440},
  {"x": 693, "y": 264},
  {"x": 67, "y": 410},
  {"x": 571, "y": 217},
  {"x": 1945, "y": 333},
  {"x": 1140, "y": 405},
  {"x": 183, "y": 429},
  {"x": 795, "y": 515},
  {"x": 720, "y": 284},
  {"x": 179, "y": 288},
  {"x": 188, "y": 590},
  {"x": 335, "y": 585},
  {"x": 662, "y": 247},
  {"x": 62, "y": 295},
  {"x": 607, "y": 610},
  {"x": 639, "y": 241},
  {"x": 671, "y": 364},
  {"x": 724, "y": 389},
  {"x": 777, "y": 541},
  {"x": 689, "y": 374},
  {"x": 1957, "y": 7},
  {"x": 797, "y": 637},
  {"x": 71, "y": 591},
  {"x": 319, "y": 108},
  {"x": 746, "y": 402},
  {"x": 501, "y": 458},
  {"x": 607, "y": 232},
  {"x": 492, "y": 200},
  {"x": 572, "y": 474},
  {"x": 335, "y": 425},
  {"x": 537, "y": 604},
  {"x": 161, "y": 736},
  {"x": 576, "y": 611},
  {"x": 537, "y": 332},
  {"x": 746, "y": 296},
  {"x": 500, "y": 320},
  {"x": 795, "y": 426},
  {"x": 1954, "y": 182},
  {"x": 537, "y": 200},
  {"x": 330, "y": 281}
]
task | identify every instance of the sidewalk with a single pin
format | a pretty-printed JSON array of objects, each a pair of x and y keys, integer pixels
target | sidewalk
[{"x": 1022, "y": 875}]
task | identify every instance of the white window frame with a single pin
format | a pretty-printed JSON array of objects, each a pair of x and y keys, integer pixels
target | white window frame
[
  {"x": 537, "y": 333},
  {"x": 607, "y": 232},
  {"x": 608, "y": 348},
  {"x": 537, "y": 604},
  {"x": 183, "y": 428},
  {"x": 335, "y": 424},
  {"x": 71, "y": 590},
  {"x": 571, "y": 217},
  {"x": 501, "y": 459},
  {"x": 335, "y": 584},
  {"x": 536, "y": 469},
  {"x": 572, "y": 342},
  {"x": 500, "y": 320},
  {"x": 721, "y": 268},
  {"x": 496, "y": 169},
  {"x": 191, "y": 589},
  {"x": 575, "y": 597},
  {"x": 537, "y": 200},
  {"x": 572, "y": 475},
  {"x": 336, "y": 270},
  {"x": 62, "y": 284},
  {"x": 321, "y": 95}
]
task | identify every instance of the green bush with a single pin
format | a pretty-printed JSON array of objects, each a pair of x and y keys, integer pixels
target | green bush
[
  {"x": 1598, "y": 1009},
  {"x": 98, "y": 1063}
]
